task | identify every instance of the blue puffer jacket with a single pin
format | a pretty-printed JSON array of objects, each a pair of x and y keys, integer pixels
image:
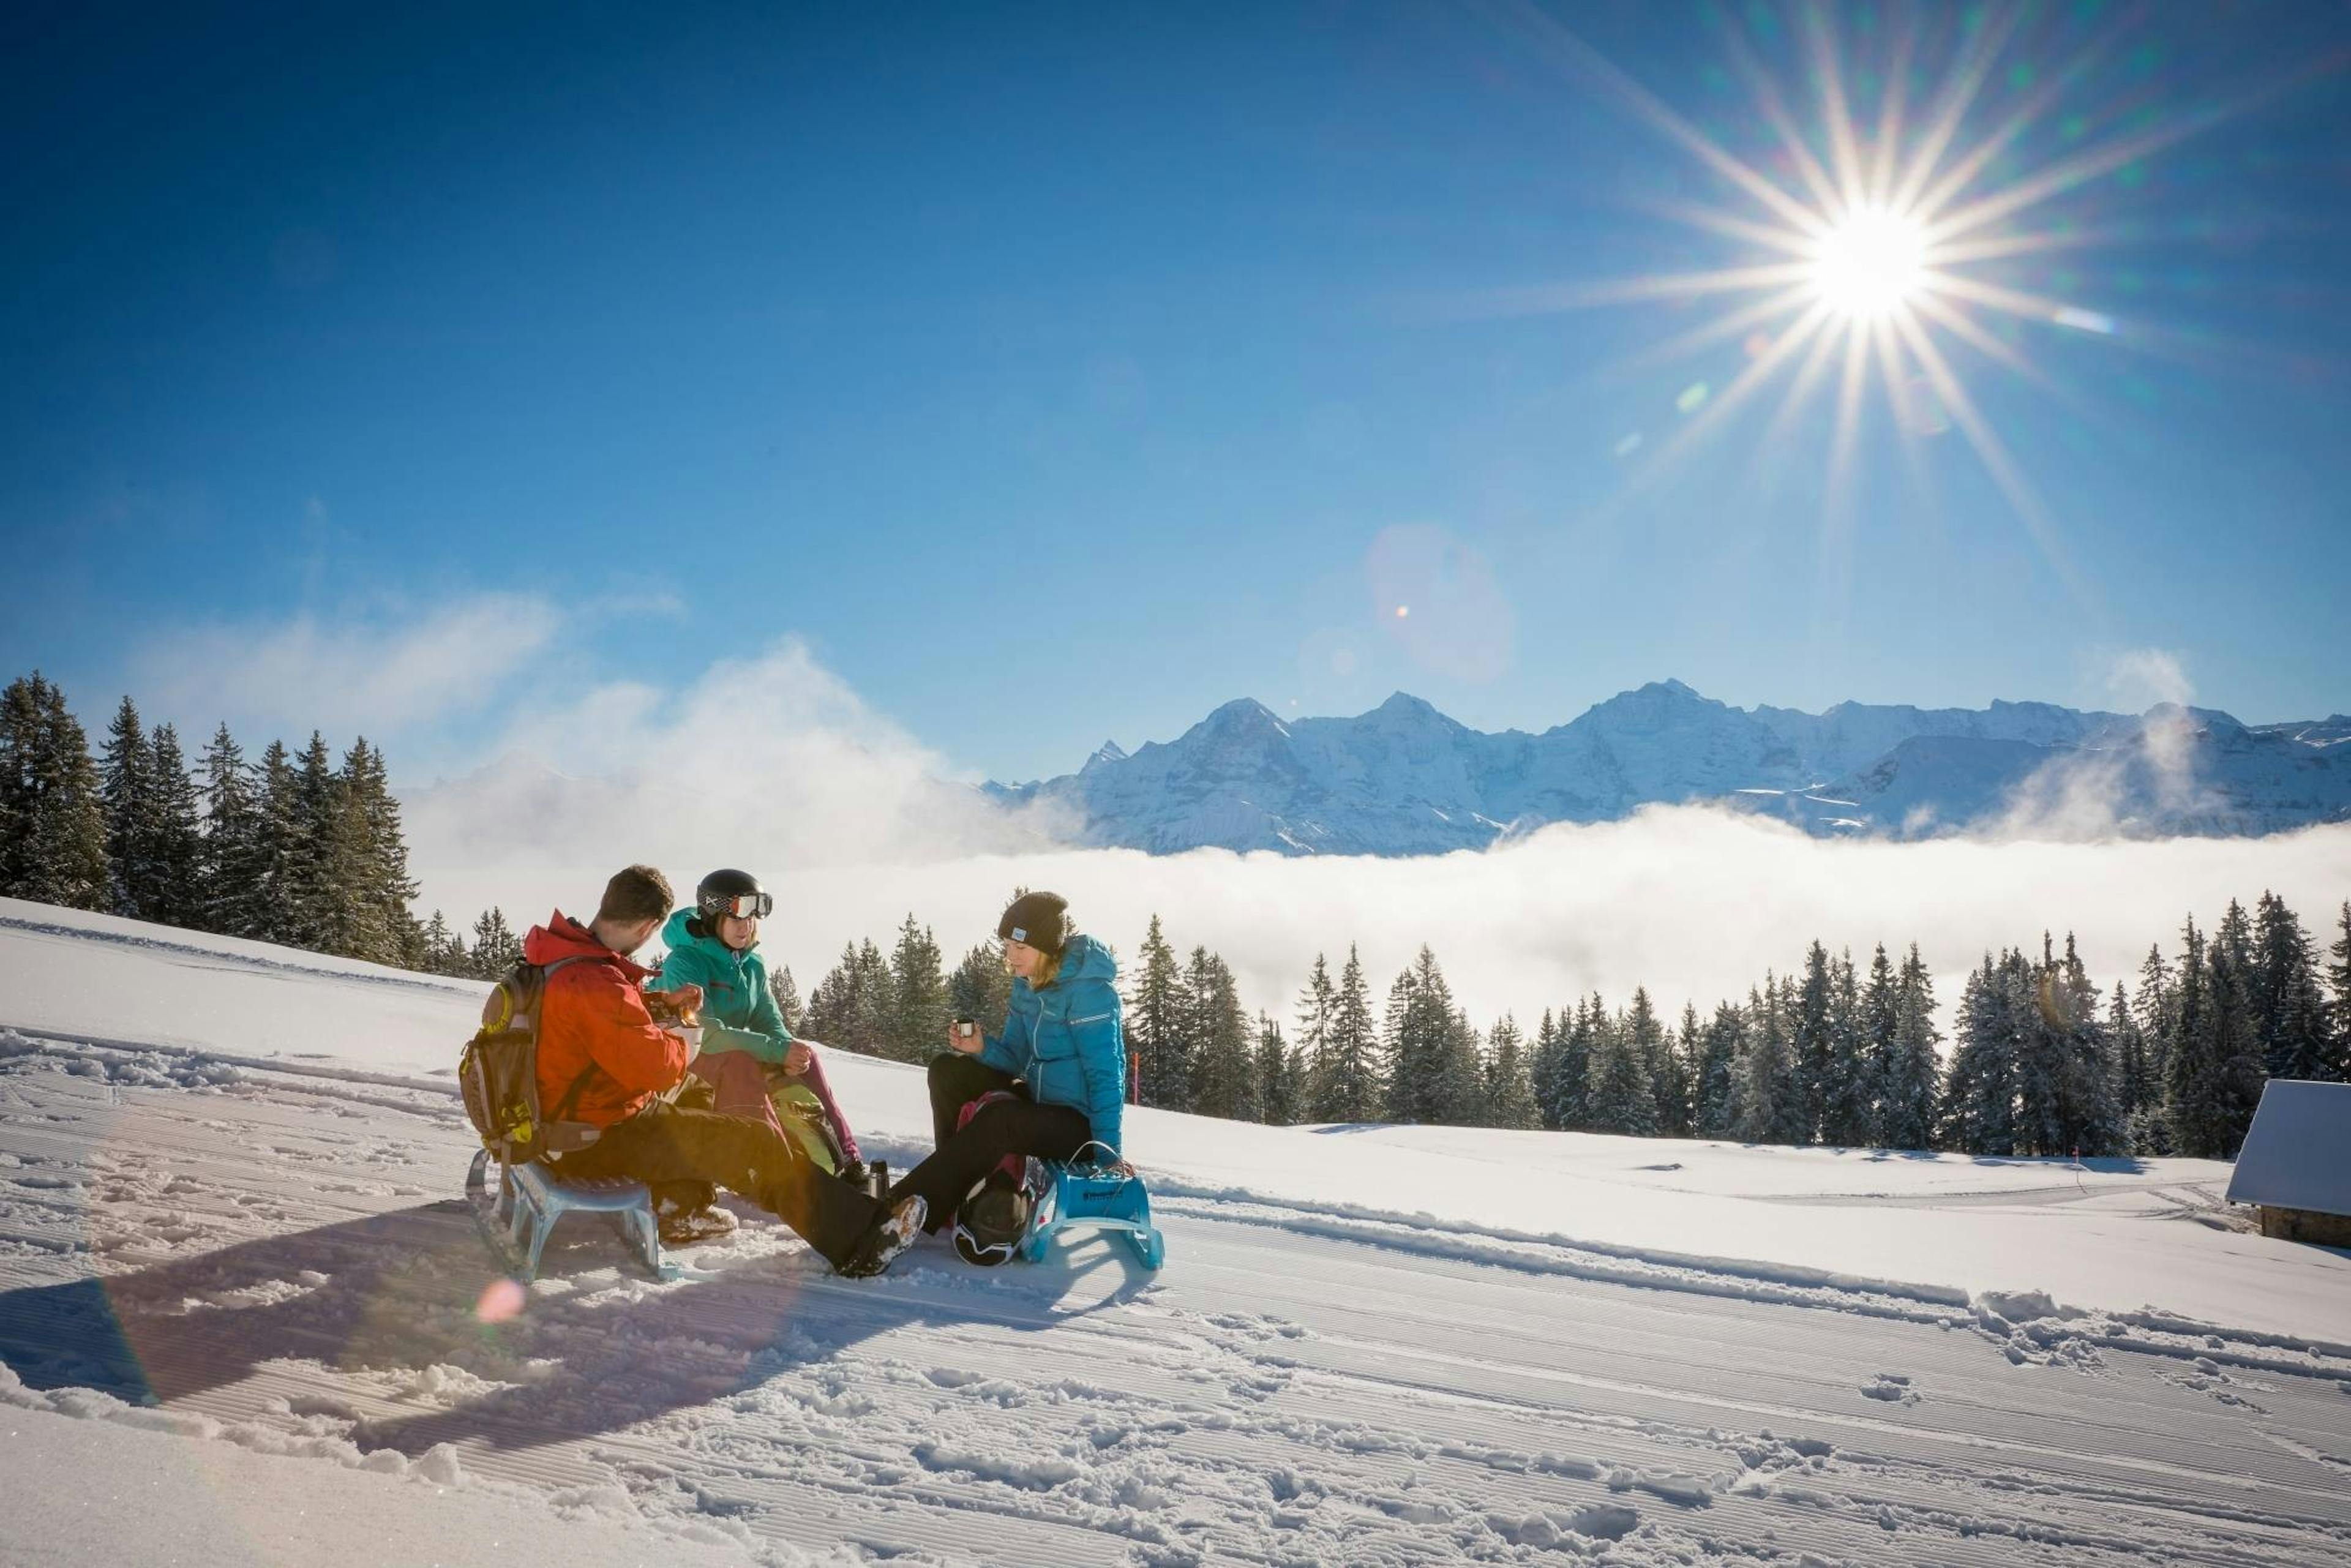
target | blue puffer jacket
[
  {"x": 1065, "y": 1039},
  {"x": 739, "y": 1010}
]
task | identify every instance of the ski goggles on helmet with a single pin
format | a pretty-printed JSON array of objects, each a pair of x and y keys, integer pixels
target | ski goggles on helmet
[
  {"x": 741, "y": 905},
  {"x": 973, "y": 1249}
]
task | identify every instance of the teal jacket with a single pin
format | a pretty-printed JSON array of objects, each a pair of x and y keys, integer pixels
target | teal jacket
[
  {"x": 1065, "y": 1039},
  {"x": 739, "y": 1010}
]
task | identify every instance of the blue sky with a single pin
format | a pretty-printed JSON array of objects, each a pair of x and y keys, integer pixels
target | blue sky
[{"x": 1061, "y": 372}]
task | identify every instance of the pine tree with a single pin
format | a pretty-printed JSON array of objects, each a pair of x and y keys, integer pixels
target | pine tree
[
  {"x": 1880, "y": 1001},
  {"x": 1156, "y": 1035},
  {"x": 495, "y": 947},
  {"x": 2338, "y": 1005},
  {"x": 1461, "y": 1074},
  {"x": 1714, "y": 1093},
  {"x": 1813, "y": 1048},
  {"x": 2289, "y": 1007},
  {"x": 234, "y": 873},
  {"x": 1847, "y": 1114},
  {"x": 1314, "y": 1005},
  {"x": 850, "y": 1006},
  {"x": 1979, "y": 1113},
  {"x": 1542, "y": 1069},
  {"x": 2040, "y": 1066},
  {"x": 308, "y": 899},
  {"x": 1906, "y": 1106},
  {"x": 1623, "y": 1100},
  {"x": 1572, "y": 1111},
  {"x": 916, "y": 1017},
  {"x": 1769, "y": 1105},
  {"x": 2215, "y": 1064},
  {"x": 279, "y": 847},
  {"x": 2157, "y": 1007},
  {"x": 1224, "y": 1080},
  {"x": 2092, "y": 1121},
  {"x": 444, "y": 950},
  {"x": 786, "y": 992},
  {"x": 1676, "y": 1078},
  {"x": 1424, "y": 1085},
  {"x": 177, "y": 851},
  {"x": 385, "y": 885},
  {"x": 1509, "y": 1089},
  {"x": 352, "y": 918},
  {"x": 1280, "y": 1076},
  {"x": 128, "y": 782},
  {"x": 980, "y": 989},
  {"x": 1348, "y": 1088},
  {"x": 51, "y": 802}
]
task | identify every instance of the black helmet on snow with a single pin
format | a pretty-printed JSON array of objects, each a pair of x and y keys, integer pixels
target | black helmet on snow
[{"x": 731, "y": 891}]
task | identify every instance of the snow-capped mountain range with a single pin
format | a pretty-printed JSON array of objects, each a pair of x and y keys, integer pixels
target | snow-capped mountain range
[{"x": 1406, "y": 779}]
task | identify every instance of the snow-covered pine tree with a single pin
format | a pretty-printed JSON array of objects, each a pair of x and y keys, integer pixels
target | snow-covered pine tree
[
  {"x": 444, "y": 950},
  {"x": 2093, "y": 1124},
  {"x": 495, "y": 945},
  {"x": 127, "y": 775},
  {"x": 786, "y": 992},
  {"x": 354, "y": 920},
  {"x": 1348, "y": 1089},
  {"x": 1769, "y": 1107},
  {"x": 1715, "y": 1096},
  {"x": 1622, "y": 1098},
  {"x": 2289, "y": 1007},
  {"x": 1906, "y": 1105},
  {"x": 2130, "y": 1052},
  {"x": 2215, "y": 1078},
  {"x": 1573, "y": 1109},
  {"x": 2040, "y": 1030},
  {"x": 1224, "y": 1075},
  {"x": 176, "y": 853},
  {"x": 2157, "y": 1011},
  {"x": 1810, "y": 1043},
  {"x": 1156, "y": 1034},
  {"x": 1979, "y": 1111},
  {"x": 51, "y": 802},
  {"x": 1880, "y": 996},
  {"x": 305, "y": 894},
  {"x": 1509, "y": 1087},
  {"x": 916, "y": 1016},
  {"x": 1846, "y": 1113}
]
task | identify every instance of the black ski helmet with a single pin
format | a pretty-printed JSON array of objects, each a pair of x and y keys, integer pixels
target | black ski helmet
[{"x": 730, "y": 892}]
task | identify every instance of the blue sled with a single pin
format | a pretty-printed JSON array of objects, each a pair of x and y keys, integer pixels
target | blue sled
[{"x": 1084, "y": 1193}]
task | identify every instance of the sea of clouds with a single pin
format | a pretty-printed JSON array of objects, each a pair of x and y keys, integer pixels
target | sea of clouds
[{"x": 775, "y": 764}]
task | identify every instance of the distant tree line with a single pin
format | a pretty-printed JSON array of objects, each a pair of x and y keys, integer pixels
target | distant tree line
[
  {"x": 301, "y": 849},
  {"x": 2043, "y": 1061}
]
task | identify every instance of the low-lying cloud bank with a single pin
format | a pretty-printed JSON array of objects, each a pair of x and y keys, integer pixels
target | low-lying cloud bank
[{"x": 776, "y": 764}]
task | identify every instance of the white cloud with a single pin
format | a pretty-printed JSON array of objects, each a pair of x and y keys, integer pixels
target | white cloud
[
  {"x": 365, "y": 673},
  {"x": 776, "y": 764}
]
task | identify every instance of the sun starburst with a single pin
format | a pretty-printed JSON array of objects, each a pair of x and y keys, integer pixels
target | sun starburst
[{"x": 1868, "y": 250}]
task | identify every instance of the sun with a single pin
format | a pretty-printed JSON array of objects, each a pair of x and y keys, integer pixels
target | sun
[{"x": 1870, "y": 265}]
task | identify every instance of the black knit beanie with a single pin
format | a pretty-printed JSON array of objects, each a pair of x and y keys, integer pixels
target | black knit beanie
[{"x": 1040, "y": 919}]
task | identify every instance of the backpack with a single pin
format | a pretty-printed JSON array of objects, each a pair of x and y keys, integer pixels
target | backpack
[{"x": 498, "y": 1074}]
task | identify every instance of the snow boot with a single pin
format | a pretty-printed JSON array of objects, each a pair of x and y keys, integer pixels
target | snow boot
[
  {"x": 881, "y": 1245},
  {"x": 682, "y": 1224}
]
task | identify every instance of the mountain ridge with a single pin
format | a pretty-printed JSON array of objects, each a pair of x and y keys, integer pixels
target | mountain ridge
[{"x": 1404, "y": 778}]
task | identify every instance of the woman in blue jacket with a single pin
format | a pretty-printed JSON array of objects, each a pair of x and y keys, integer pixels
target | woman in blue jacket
[{"x": 1060, "y": 1061}]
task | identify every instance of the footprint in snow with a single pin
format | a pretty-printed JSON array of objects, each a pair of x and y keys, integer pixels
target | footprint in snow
[{"x": 1894, "y": 1388}]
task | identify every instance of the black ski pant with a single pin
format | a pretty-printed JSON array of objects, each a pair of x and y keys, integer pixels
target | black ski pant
[
  {"x": 664, "y": 1145},
  {"x": 960, "y": 1159}
]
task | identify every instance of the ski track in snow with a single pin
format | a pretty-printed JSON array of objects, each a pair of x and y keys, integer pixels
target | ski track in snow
[{"x": 232, "y": 1254}]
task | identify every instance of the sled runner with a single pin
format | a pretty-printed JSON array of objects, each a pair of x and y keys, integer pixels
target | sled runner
[{"x": 530, "y": 1199}]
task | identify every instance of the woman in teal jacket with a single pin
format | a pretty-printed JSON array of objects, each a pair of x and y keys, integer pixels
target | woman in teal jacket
[
  {"x": 716, "y": 946},
  {"x": 1056, "y": 1077}
]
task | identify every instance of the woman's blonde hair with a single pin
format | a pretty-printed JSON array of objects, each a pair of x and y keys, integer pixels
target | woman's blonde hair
[{"x": 1049, "y": 969}]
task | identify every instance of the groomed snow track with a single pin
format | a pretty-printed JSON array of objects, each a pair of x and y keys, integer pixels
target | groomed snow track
[{"x": 277, "y": 1260}]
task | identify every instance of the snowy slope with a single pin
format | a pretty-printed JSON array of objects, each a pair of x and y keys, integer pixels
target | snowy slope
[
  {"x": 1403, "y": 778},
  {"x": 228, "y": 1232}
]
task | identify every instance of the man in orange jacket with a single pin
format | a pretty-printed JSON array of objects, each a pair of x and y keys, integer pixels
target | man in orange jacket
[{"x": 603, "y": 1059}]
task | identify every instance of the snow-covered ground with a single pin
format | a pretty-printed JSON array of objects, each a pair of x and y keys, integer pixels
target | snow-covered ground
[{"x": 241, "y": 1318}]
